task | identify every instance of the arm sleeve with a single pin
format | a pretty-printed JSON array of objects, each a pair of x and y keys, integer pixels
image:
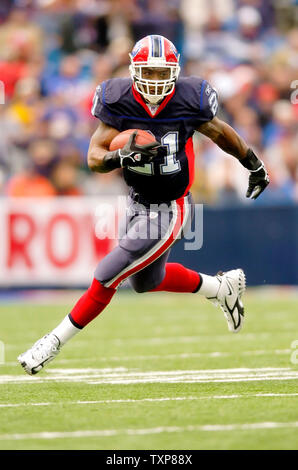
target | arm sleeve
[{"x": 101, "y": 110}]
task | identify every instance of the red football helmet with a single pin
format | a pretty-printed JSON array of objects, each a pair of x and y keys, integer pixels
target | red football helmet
[{"x": 154, "y": 51}]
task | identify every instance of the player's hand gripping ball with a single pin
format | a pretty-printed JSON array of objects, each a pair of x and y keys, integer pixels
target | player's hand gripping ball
[{"x": 135, "y": 147}]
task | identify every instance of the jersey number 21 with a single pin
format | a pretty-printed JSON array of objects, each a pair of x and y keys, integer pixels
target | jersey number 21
[{"x": 170, "y": 165}]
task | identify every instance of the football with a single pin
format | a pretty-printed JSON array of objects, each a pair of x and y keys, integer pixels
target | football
[{"x": 143, "y": 138}]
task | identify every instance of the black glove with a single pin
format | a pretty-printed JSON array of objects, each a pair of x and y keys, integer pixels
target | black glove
[
  {"x": 131, "y": 154},
  {"x": 258, "y": 178},
  {"x": 136, "y": 155}
]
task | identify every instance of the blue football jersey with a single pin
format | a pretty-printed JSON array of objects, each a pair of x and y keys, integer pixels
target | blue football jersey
[{"x": 193, "y": 102}]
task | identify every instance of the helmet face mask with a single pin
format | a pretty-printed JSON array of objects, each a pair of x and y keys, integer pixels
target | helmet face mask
[
  {"x": 154, "y": 89},
  {"x": 154, "y": 68}
]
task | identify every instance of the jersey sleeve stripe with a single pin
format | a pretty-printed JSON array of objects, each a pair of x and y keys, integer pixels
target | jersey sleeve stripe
[
  {"x": 94, "y": 104},
  {"x": 103, "y": 93},
  {"x": 180, "y": 209},
  {"x": 202, "y": 91}
]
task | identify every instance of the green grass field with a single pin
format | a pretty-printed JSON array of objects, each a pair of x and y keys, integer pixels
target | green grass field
[{"x": 154, "y": 371}]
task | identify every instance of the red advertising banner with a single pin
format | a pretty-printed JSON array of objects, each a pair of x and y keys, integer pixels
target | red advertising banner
[{"x": 55, "y": 241}]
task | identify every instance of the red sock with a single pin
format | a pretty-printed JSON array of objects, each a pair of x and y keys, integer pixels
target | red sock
[
  {"x": 95, "y": 299},
  {"x": 179, "y": 279}
]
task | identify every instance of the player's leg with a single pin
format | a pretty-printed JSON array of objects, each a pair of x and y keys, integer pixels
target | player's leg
[{"x": 154, "y": 273}]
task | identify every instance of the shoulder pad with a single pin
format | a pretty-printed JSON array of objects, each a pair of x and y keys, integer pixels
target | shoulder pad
[
  {"x": 201, "y": 97},
  {"x": 106, "y": 99},
  {"x": 114, "y": 89}
]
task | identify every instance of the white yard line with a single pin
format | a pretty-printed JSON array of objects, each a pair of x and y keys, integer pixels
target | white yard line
[
  {"x": 144, "y": 400},
  {"x": 148, "y": 431},
  {"x": 134, "y": 376}
]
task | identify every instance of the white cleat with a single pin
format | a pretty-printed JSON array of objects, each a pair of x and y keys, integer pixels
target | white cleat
[
  {"x": 41, "y": 353},
  {"x": 231, "y": 289}
]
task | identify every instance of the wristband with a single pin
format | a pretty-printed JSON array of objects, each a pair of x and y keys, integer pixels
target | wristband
[
  {"x": 251, "y": 161},
  {"x": 111, "y": 160}
]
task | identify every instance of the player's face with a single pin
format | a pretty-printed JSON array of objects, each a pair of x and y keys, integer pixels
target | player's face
[{"x": 155, "y": 74}]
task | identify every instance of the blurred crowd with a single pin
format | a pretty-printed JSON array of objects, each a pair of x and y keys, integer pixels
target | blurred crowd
[{"x": 53, "y": 54}]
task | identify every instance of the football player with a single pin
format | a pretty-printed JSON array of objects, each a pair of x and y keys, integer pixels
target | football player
[{"x": 159, "y": 174}]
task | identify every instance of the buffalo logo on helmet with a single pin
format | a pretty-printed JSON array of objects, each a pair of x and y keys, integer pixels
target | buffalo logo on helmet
[{"x": 136, "y": 49}]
